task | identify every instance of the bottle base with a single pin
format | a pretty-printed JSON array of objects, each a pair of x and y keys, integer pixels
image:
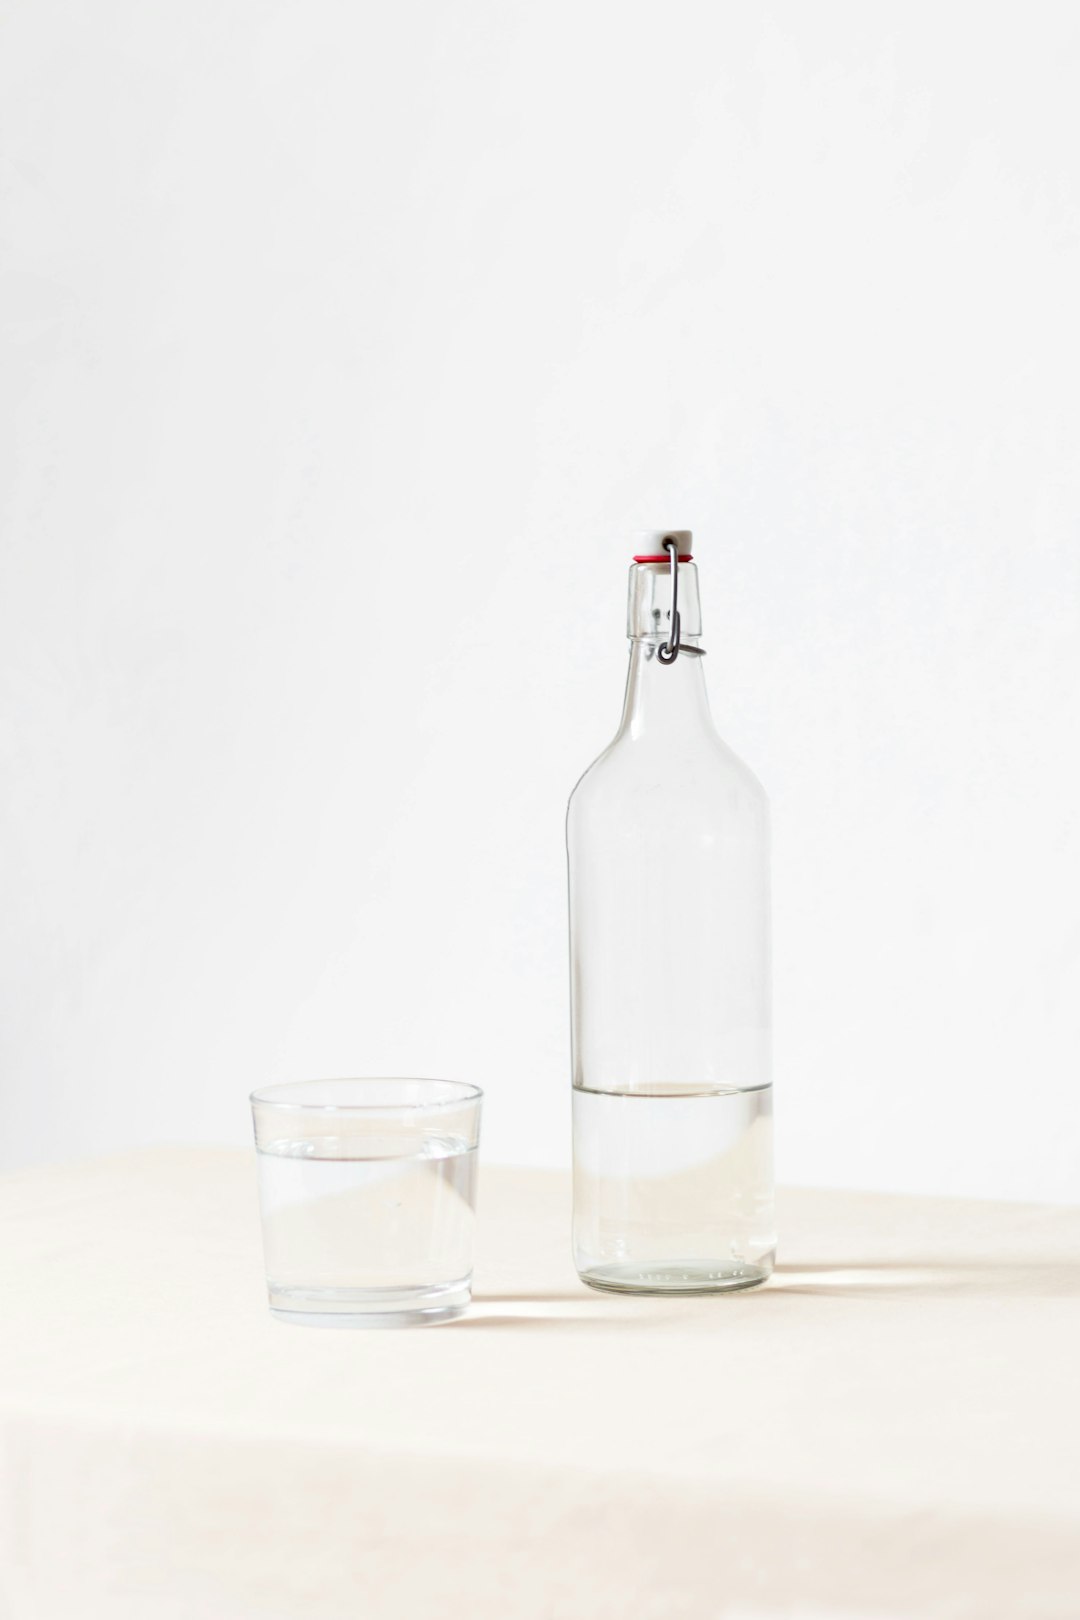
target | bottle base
[{"x": 677, "y": 1276}]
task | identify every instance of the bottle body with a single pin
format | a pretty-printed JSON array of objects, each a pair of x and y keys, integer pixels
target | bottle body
[{"x": 668, "y": 850}]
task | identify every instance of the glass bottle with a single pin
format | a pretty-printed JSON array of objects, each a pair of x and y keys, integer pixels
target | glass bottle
[{"x": 668, "y": 846}]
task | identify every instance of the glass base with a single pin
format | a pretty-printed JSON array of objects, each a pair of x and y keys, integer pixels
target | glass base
[
  {"x": 678, "y": 1276},
  {"x": 370, "y": 1307}
]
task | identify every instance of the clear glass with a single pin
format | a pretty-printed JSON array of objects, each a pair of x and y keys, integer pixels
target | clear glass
[
  {"x": 367, "y": 1190},
  {"x": 668, "y": 847}
]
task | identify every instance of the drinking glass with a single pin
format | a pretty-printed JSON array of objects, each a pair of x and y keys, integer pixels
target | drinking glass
[{"x": 367, "y": 1190}]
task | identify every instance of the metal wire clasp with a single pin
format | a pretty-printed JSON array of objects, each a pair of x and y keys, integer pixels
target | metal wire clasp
[{"x": 668, "y": 651}]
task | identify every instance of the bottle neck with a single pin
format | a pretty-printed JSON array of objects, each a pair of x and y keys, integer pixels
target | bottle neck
[{"x": 663, "y": 699}]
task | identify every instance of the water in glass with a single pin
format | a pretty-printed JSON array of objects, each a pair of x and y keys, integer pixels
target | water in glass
[{"x": 376, "y": 1222}]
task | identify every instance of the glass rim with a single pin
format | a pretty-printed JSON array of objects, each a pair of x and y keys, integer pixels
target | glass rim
[{"x": 463, "y": 1093}]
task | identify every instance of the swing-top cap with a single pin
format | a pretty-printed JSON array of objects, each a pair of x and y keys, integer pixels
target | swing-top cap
[{"x": 650, "y": 545}]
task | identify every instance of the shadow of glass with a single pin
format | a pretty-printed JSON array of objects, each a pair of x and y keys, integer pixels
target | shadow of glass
[
  {"x": 541, "y": 1296},
  {"x": 584, "y": 1310},
  {"x": 528, "y": 1321}
]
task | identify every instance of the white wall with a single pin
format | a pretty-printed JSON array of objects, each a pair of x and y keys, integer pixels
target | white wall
[{"x": 345, "y": 347}]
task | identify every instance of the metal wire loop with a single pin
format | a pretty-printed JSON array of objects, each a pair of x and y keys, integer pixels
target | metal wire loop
[{"x": 669, "y": 650}]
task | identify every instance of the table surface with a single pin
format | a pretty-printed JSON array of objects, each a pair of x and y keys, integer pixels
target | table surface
[{"x": 889, "y": 1428}]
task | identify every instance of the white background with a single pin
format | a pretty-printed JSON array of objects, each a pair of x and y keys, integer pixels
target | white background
[{"x": 345, "y": 348}]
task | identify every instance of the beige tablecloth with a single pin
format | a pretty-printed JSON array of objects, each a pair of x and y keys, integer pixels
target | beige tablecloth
[{"x": 889, "y": 1429}]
